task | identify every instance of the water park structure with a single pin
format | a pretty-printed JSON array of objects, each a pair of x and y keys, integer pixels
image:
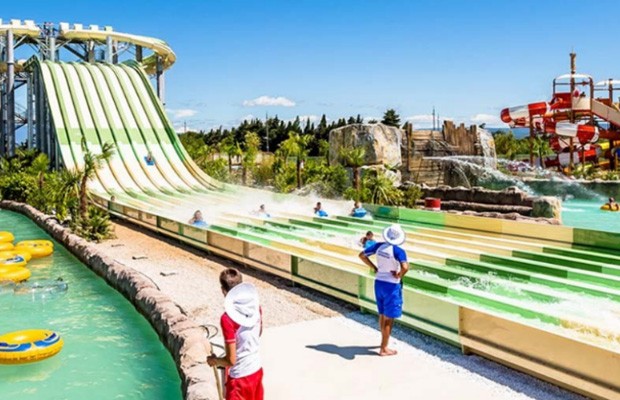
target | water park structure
[
  {"x": 581, "y": 122},
  {"x": 539, "y": 298}
]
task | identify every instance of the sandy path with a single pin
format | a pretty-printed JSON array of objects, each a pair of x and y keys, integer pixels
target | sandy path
[{"x": 194, "y": 285}]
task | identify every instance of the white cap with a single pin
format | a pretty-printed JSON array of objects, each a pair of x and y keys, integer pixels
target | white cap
[
  {"x": 242, "y": 305},
  {"x": 394, "y": 235}
]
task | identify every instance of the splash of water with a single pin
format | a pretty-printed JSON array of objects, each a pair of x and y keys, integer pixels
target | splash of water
[{"x": 477, "y": 173}]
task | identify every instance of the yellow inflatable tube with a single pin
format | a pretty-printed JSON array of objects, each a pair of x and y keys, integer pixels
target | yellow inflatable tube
[
  {"x": 606, "y": 207},
  {"x": 6, "y": 246},
  {"x": 13, "y": 273},
  {"x": 6, "y": 237},
  {"x": 8, "y": 259},
  {"x": 12, "y": 253},
  {"x": 36, "y": 248},
  {"x": 29, "y": 345}
]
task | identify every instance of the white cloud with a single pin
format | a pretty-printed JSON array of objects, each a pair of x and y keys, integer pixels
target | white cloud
[
  {"x": 181, "y": 113},
  {"x": 269, "y": 101},
  {"x": 488, "y": 119},
  {"x": 248, "y": 117}
]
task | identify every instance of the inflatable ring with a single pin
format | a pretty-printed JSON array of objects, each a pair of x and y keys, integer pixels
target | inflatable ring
[
  {"x": 28, "y": 346},
  {"x": 36, "y": 248},
  {"x": 11, "y": 253},
  {"x": 6, "y": 246},
  {"x": 13, "y": 273},
  {"x": 10, "y": 260},
  {"x": 606, "y": 207},
  {"x": 6, "y": 237},
  {"x": 35, "y": 243},
  {"x": 45, "y": 286}
]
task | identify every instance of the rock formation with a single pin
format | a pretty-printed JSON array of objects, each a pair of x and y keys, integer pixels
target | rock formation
[{"x": 381, "y": 142}]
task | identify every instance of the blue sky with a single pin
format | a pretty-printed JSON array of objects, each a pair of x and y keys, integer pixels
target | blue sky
[{"x": 469, "y": 59}]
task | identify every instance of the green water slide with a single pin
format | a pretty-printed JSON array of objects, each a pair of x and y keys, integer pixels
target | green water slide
[{"x": 511, "y": 291}]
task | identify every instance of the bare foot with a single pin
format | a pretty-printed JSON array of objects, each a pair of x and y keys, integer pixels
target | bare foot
[{"x": 387, "y": 352}]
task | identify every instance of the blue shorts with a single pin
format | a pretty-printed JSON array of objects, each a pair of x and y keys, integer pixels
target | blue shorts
[{"x": 389, "y": 298}]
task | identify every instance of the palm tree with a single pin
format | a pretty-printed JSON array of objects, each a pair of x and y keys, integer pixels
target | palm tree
[
  {"x": 252, "y": 146},
  {"x": 354, "y": 158},
  {"x": 92, "y": 163},
  {"x": 39, "y": 167},
  {"x": 296, "y": 146},
  {"x": 382, "y": 190},
  {"x": 232, "y": 149}
]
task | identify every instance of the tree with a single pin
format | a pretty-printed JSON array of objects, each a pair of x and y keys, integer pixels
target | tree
[
  {"x": 296, "y": 146},
  {"x": 92, "y": 163},
  {"x": 381, "y": 190},
  {"x": 391, "y": 118},
  {"x": 506, "y": 144},
  {"x": 251, "y": 148},
  {"x": 232, "y": 149},
  {"x": 355, "y": 158}
]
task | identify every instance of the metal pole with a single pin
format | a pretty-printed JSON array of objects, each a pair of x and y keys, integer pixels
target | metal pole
[
  {"x": 91, "y": 51},
  {"x": 114, "y": 52},
  {"x": 531, "y": 141},
  {"x": 573, "y": 69},
  {"x": 108, "y": 49},
  {"x": 161, "y": 89},
  {"x": 30, "y": 112},
  {"x": 139, "y": 53},
  {"x": 10, "y": 93},
  {"x": 52, "y": 48}
]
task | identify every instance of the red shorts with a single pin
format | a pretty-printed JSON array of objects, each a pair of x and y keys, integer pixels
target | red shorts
[{"x": 247, "y": 388}]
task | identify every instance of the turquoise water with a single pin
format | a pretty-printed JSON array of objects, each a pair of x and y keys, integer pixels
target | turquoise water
[
  {"x": 110, "y": 351},
  {"x": 587, "y": 214}
]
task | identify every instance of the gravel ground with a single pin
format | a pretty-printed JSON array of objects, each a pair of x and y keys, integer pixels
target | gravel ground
[{"x": 190, "y": 278}]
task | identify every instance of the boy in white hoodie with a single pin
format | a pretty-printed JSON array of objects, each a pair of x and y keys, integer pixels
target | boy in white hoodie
[{"x": 241, "y": 326}]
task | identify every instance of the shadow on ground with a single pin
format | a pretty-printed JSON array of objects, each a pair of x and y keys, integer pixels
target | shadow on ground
[
  {"x": 488, "y": 369},
  {"x": 346, "y": 352}
]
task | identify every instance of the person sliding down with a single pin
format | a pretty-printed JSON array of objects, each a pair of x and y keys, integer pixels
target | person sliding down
[
  {"x": 358, "y": 211},
  {"x": 149, "y": 159},
  {"x": 318, "y": 210},
  {"x": 197, "y": 220},
  {"x": 368, "y": 240},
  {"x": 241, "y": 327},
  {"x": 391, "y": 266},
  {"x": 262, "y": 212}
]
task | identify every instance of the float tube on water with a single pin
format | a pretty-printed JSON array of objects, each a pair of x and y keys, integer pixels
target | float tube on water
[{"x": 30, "y": 345}]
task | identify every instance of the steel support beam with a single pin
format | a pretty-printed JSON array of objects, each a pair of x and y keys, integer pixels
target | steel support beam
[
  {"x": 109, "y": 49},
  {"x": 161, "y": 85},
  {"x": 10, "y": 94},
  {"x": 30, "y": 112}
]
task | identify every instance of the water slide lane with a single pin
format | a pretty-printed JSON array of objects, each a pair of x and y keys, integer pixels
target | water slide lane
[
  {"x": 160, "y": 133},
  {"x": 146, "y": 140},
  {"x": 165, "y": 132},
  {"x": 65, "y": 121},
  {"x": 116, "y": 133},
  {"x": 76, "y": 103}
]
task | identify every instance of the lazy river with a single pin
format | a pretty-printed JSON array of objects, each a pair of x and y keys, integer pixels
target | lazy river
[{"x": 110, "y": 351}]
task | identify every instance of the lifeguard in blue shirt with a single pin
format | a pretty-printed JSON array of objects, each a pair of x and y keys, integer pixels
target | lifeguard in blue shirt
[{"x": 391, "y": 266}]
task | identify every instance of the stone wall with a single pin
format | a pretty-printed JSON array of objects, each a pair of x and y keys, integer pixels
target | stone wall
[
  {"x": 507, "y": 201},
  {"x": 183, "y": 338}
]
